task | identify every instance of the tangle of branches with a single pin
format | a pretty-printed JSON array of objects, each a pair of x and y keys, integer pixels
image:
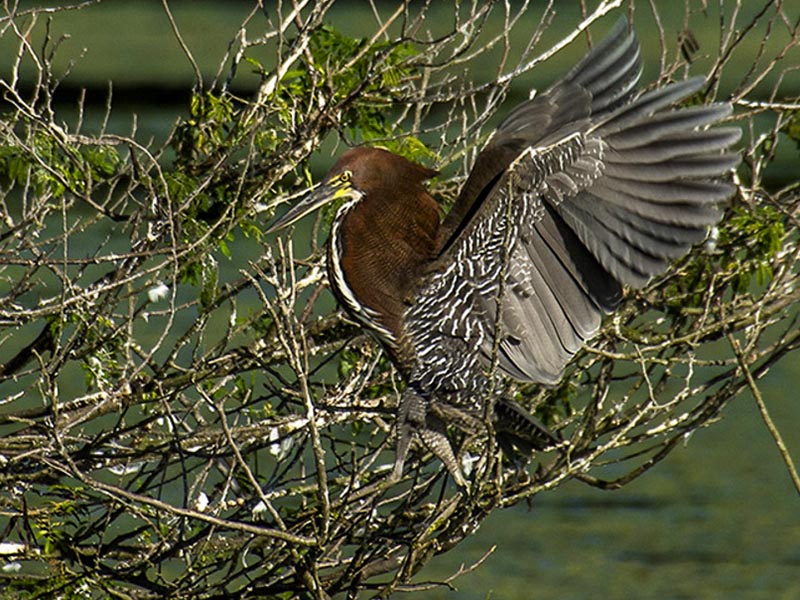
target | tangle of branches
[{"x": 183, "y": 411}]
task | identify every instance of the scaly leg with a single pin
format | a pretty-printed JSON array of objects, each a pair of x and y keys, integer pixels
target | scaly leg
[{"x": 413, "y": 417}]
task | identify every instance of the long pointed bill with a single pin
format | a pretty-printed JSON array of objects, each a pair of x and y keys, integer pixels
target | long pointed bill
[{"x": 315, "y": 198}]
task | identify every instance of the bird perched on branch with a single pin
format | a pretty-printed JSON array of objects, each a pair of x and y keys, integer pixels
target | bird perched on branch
[{"x": 588, "y": 187}]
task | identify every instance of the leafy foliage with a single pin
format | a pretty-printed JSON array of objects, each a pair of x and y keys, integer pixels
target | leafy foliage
[{"x": 755, "y": 238}]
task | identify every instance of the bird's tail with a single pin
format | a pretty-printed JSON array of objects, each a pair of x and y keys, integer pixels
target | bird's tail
[{"x": 519, "y": 433}]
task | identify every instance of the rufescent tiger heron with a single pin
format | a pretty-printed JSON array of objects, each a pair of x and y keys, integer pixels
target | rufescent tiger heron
[{"x": 584, "y": 189}]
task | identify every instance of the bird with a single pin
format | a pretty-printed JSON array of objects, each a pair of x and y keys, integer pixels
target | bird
[{"x": 586, "y": 189}]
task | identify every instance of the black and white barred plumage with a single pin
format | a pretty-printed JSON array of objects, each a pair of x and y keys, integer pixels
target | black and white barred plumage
[{"x": 601, "y": 188}]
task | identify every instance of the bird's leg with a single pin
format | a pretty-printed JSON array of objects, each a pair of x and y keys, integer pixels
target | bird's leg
[
  {"x": 410, "y": 416},
  {"x": 434, "y": 436},
  {"x": 404, "y": 433},
  {"x": 413, "y": 417}
]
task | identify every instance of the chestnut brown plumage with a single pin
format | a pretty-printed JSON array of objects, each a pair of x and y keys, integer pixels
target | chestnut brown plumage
[{"x": 587, "y": 188}]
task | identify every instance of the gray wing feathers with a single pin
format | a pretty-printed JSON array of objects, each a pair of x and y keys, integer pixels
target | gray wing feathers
[
  {"x": 662, "y": 125},
  {"x": 607, "y": 187},
  {"x": 610, "y": 71},
  {"x": 670, "y": 170},
  {"x": 556, "y": 304},
  {"x": 649, "y": 103},
  {"x": 678, "y": 146},
  {"x": 659, "y": 190},
  {"x": 603, "y": 80},
  {"x": 642, "y": 191}
]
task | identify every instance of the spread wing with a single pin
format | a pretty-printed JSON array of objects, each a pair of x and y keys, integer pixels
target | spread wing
[{"x": 582, "y": 190}]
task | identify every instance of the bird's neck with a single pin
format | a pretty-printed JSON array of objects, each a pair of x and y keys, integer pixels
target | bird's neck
[{"x": 379, "y": 247}]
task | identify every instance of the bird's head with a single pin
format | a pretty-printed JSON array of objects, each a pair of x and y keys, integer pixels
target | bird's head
[{"x": 358, "y": 173}]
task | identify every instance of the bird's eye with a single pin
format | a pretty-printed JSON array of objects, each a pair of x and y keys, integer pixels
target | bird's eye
[{"x": 345, "y": 176}]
